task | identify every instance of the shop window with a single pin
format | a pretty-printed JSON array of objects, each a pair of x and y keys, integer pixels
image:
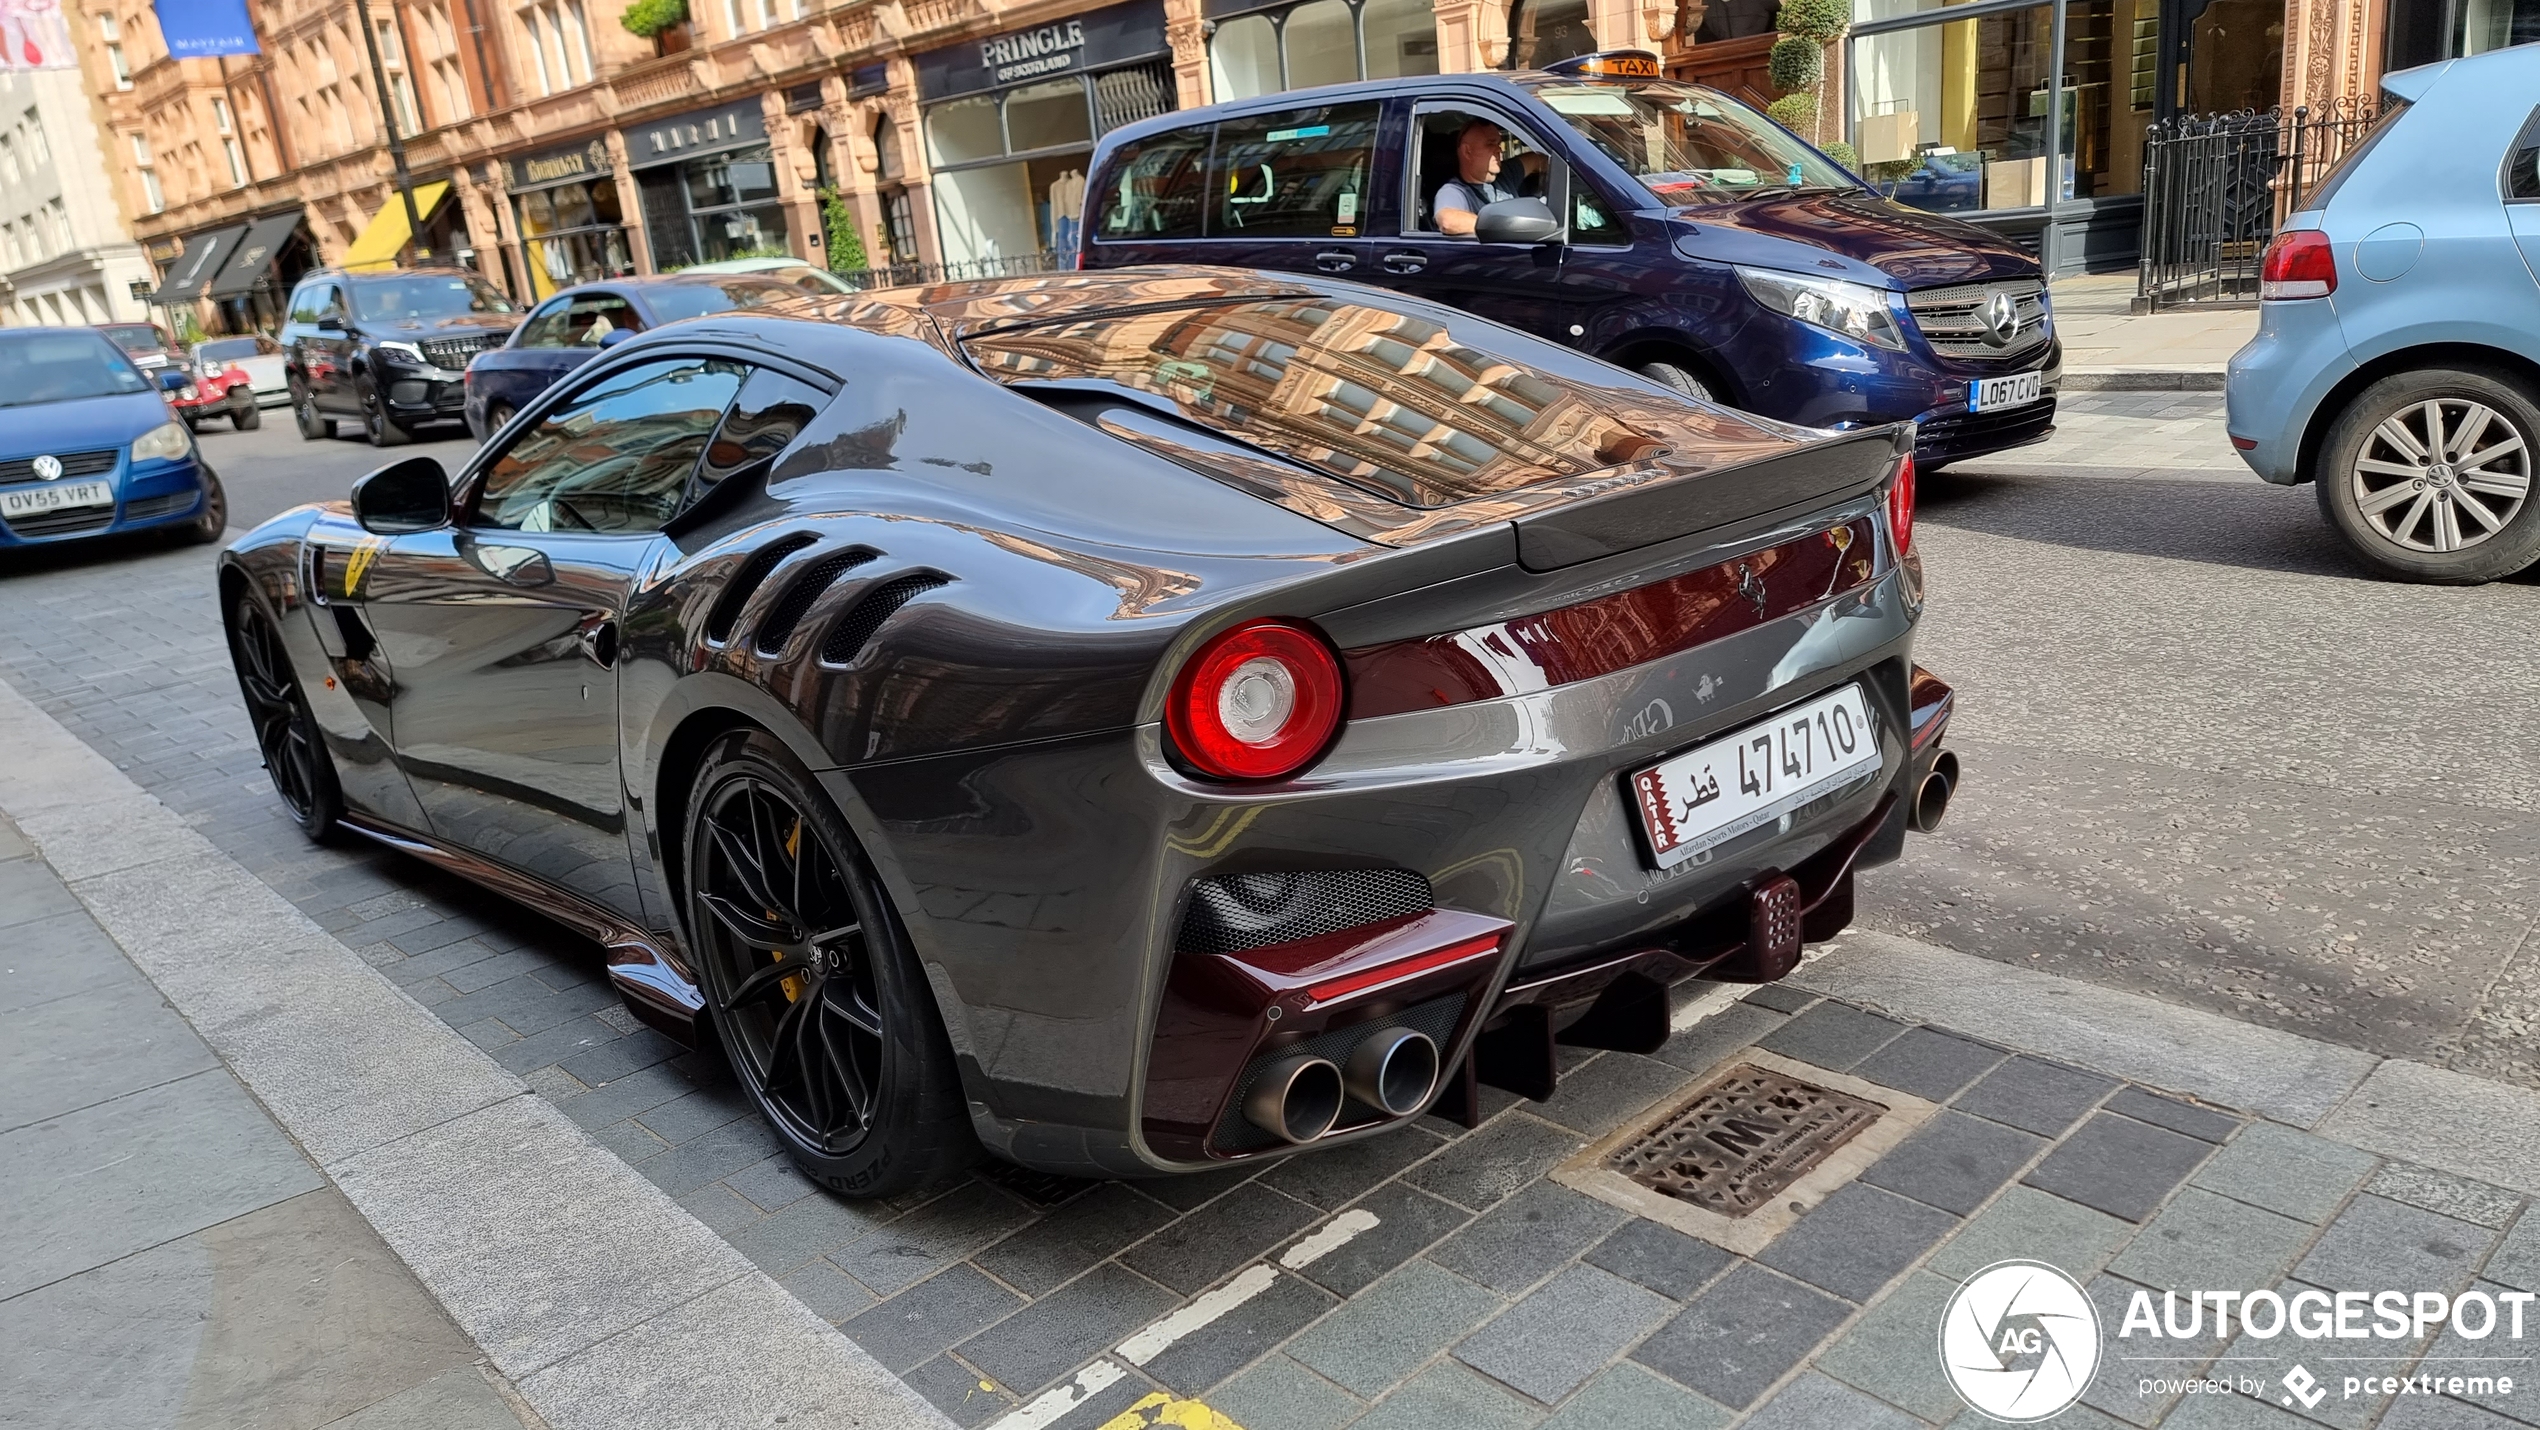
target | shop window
[
  {"x": 899, "y": 226},
  {"x": 1400, "y": 38},
  {"x": 1321, "y": 44},
  {"x": 964, "y": 129},
  {"x": 1047, "y": 116},
  {"x": 1301, "y": 173},
  {"x": 886, "y": 151},
  {"x": 1161, "y": 182},
  {"x": 986, "y": 213},
  {"x": 1243, "y": 58},
  {"x": 1950, "y": 117},
  {"x": 1546, "y": 32},
  {"x": 1125, "y": 96},
  {"x": 1738, "y": 19}
]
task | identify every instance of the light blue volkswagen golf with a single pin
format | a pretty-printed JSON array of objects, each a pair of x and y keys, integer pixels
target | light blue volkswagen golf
[{"x": 2397, "y": 361}]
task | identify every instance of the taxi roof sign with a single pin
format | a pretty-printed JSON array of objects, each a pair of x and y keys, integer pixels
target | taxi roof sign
[{"x": 1611, "y": 64}]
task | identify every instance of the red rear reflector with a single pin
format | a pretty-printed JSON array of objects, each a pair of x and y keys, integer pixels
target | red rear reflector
[
  {"x": 2298, "y": 265},
  {"x": 1364, "y": 978},
  {"x": 1900, "y": 505},
  {"x": 2245, "y": 444}
]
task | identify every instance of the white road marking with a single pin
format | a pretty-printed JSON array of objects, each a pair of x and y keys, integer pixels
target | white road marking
[
  {"x": 1146, "y": 1345},
  {"x": 1056, "y": 1401},
  {"x": 1334, "y": 1234}
]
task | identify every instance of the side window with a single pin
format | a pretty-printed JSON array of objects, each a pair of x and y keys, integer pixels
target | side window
[
  {"x": 546, "y": 327},
  {"x": 305, "y": 300},
  {"x": 1157, "y": 188},
  {"x": 616, "y": 457},
  {"x": 1497, "y": 161},
  {"x": 1299, "y": 173},
  {"x": 2522, "y": 163},
  {"x": 772, "y": 412},
  {"x": 598, "y": 315},
  {"x": 331, "y": 301},
  {"x": 1590, "y": 220}
]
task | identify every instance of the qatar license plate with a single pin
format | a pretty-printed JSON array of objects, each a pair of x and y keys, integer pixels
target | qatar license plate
[
  {"x": 1992, "y": 394},
  {"x": 1713, "y": 793},
  {"x": 62, "y": 496}
]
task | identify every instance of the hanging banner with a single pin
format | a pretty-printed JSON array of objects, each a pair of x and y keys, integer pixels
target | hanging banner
[
  {"x": 199, "y": 29},
  {"x": 33, "y": 36}
]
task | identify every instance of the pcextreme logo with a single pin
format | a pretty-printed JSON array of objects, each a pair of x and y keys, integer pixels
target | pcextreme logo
[{"x": 2019, "y": 1341}]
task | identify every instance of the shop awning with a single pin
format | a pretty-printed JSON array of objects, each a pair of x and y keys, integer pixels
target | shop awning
[
  {"x": 202, "y": 258},
  {"x": 254, "y": 256},
  {"x": 387, "y": 232}
]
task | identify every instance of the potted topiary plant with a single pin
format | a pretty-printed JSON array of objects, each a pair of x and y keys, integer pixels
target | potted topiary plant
[{"x": 664, "y": 22}]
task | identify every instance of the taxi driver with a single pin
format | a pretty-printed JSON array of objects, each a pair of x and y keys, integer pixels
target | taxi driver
[{"x": 1476, "y": 185}]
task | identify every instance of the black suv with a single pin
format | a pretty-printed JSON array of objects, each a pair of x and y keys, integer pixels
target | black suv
[{"x": 388, "y": 349}]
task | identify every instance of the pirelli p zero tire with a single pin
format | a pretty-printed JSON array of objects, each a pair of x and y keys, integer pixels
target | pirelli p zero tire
[
  {"x": 1682, "y": 379},
  {"x": 2428, "y": 475},
  {"x": 286, "y": 732},
  {"x": 810, "y": 981}
]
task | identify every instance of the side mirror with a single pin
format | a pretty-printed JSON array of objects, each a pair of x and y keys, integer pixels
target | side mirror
[
  {"x": 173, "y": 379},
  {"x": 614, "y": 336},
  {"x": 330, "y": 324},
  {"x": 412, "y": 495},
  {"x": 1516, "y": 221}
]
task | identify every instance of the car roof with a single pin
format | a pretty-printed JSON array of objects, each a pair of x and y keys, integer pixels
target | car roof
[{"x": 1501, "y": 82}]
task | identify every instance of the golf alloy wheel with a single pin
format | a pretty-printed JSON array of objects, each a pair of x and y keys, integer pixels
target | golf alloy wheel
[
  {"x": 2442, "y": 475},
  {"x": 286, "y": 733}
]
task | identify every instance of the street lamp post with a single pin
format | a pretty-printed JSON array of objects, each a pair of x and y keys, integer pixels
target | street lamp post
[{"x": 388, "y": 118}]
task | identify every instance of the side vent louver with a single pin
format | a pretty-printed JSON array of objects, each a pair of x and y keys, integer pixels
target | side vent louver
[
  {"x": 847, "y": 638},
  {"x": 746, "y": 581},
  {"x": 790, "y": 608}
]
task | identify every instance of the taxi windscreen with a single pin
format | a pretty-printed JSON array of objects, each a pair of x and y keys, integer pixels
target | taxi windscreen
[
  {"x": 1403, "y": 407},
  {"x": 1687, "y": 144}
]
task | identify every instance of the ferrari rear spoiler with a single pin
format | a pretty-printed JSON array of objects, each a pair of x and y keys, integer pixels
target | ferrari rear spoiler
[{"x": 1797, "y": 481}]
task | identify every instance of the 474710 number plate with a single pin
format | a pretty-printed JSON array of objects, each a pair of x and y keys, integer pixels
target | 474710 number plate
[{"x": 1713, "y": 793}]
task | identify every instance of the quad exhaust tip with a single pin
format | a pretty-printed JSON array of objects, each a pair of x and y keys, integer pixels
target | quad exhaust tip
[
  {"x": 1296, "y": 1099},
  {"x": 1393, "y": 1072},
  {"x": 1931, "y": 797}
]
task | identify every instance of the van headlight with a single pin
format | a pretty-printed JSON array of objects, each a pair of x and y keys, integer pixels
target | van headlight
[
  {"x": 1855, "y": 310},
  {"x": 166, "y": 442}
]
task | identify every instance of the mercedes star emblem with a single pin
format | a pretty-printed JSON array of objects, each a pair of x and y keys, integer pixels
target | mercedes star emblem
[
  {"x": 2001, "y": 318},
  {"x": 47, "y": 467}
]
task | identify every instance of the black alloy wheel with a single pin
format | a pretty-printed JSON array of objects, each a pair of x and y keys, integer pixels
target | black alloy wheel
[
  {"x": 286, "y": 733},
  {"x": 810, "y": 982},
  {"x": 313, "y": 427},
  {"x": 377, "y": 425}
]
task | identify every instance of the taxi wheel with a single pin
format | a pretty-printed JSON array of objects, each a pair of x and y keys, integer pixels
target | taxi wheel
[
  {"x": 377, "y": 425},
  {"x": 1667, "y": 374},
  {"x": 2427, "y": 475}
]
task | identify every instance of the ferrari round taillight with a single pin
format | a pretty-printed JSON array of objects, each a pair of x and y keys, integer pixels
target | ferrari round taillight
[
  {"x": 2298, "y": 264},
  {"x": 1258, "y": 702},
  {"x": 1900, "y": 505}
]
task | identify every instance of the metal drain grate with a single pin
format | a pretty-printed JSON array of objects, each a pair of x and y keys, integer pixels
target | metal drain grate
[{"x": 1741, "y": 1139}]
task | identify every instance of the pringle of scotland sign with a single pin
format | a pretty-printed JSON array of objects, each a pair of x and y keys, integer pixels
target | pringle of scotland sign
[
  {"x": 1026, "y": 54},
  {"x": 1113, "y": 35}
]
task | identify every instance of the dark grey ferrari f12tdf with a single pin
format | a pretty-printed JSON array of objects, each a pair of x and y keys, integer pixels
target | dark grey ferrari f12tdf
[{"x": 1135, "y": 721}]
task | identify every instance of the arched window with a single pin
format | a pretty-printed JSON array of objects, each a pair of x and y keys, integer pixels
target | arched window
[{"x": 1546, "y": 32}]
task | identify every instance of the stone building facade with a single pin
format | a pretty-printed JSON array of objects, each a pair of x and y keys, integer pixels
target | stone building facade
[{"x": 66, "y": 257}]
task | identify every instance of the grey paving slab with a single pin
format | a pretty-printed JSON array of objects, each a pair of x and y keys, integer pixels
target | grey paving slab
[
  {"x": 1389, "y": 1330},
  {"x": 2269, "y": 1358},
  {"x": 1064, "y": 1243},
  {"x": 56, "y": 957},
  {"x": 2024, "y": 1223},
  {"x": 456, "y": 1399},
  {"x": 2376, "y": 1244},
  {"x": 2230, "y": 1412},
  {"x": 720, "y": 1208},
  {"x": 831, "y": 1294},
  {"x": 29, "y": 891},
  {"x": 1188, "y": 1193},
  {"x": 1333, "y": 1179},
  {"x": 1779, "y": 997},
  {"x": 1626, "y": 1397},
  {"x": 2164, "y": 1363},
  {"x": 1891, "y": 1351},
  {"x": 1408, "y": 1222},
  {"x": 2035, "y": 1095},
  {"x": 1814, "y": 1401},
  {"x": 2456, "y": 1197},
  {"x": 1486, "y": 1167},
  {"x": 1953, "y": 1162},
  {"x": 1195, "y": 1251},
  {"x": 1659, "y": 1257},
  {"x": 2471, "y": 1369},
  {"x": 2285, "y": 1170},
  {"x": 1857, "y": 1241},
  {"x": 1832, "y": 1035},
  {"x": 2204, "y": 1123},
  {"x": 1280, "y": 1394},
  {"x": 1734, "y": 1340},
  {"x": 1704, "y": 1045},
  {"x": 77, "y": 1051},
  {"x": 812, "y": 1227},
  {"x": 2516, "y": 1260},
  {"x": 1449, "y": 1397},
  {"x": 1197, "y": 1363},
  {"x": 1609, "y": 1092},
  {"x": 959, "y": 1392},
  {"x": 931, "y": 1316},
  {"x": 1527, "y": 1237},
  {"x": 2441, "y": 1413},
  {"x": 931, "y": 1237},
  {"x": 2120, "y": 1166},
  {"x": 2202, "y": 1239},
  {"x": 79, "y": 1190},
  {"x": 1066, "y": 1328},
  {"x": 770, "y": 1185},
  {"x": 1550, "y": 1343},
  {"x": 1930, "y": 1064}
]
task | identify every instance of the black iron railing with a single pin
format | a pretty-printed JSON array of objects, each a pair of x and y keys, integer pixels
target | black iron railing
[
  {"x": 897, "y": 275},
  {"x": 2217, "y": 186}
]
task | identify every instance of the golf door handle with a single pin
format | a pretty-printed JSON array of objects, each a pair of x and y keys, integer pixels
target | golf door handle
[
  {"x": 1336, "y": 260},
  {"x": 1405, "y": 260}
]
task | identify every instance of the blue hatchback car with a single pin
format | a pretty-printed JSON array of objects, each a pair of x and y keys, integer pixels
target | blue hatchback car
[
  {"x": 1661, "y": 226},
  {"x": 578, "y": 323},
  {"x": 2397, "y": 361},
  {"x": 89, "y": 448}
]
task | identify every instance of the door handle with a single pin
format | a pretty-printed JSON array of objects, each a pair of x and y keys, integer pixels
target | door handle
[
  {"x": 1335, "y": 260},
  {"x": 599, "y": 641},
  {"x": 1405, "y": 260}
]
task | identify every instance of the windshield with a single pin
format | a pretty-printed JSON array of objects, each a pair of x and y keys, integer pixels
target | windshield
[
  {"x": 426, "y": 295},
  {"x": 1690, "y": 145},
  {"x": 62, "y": 366},
  {"x": 695, "y": 300},
  {"x": 134, "y": 337},
  {"x": 227, "y": 350}
]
